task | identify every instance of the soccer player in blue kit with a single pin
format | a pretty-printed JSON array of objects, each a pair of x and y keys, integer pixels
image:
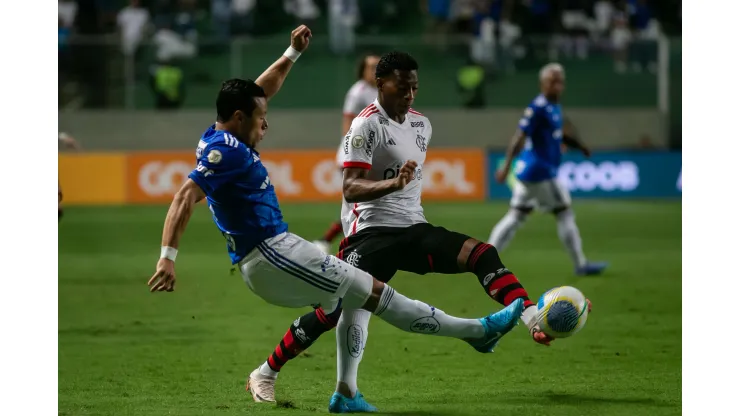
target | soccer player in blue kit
[
  {"x": 281, "y": 267},
  {"x": 539, "y": 138}
]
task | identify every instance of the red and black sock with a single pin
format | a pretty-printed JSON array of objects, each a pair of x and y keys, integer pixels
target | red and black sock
[
  {"x": 498, "y": 281},
  {"x": 333, "y": 232},
  {"x": 304, "y": 331}
]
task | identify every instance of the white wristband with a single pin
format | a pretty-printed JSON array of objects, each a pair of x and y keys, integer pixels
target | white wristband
[
  {"x": 292, "y": 54},
  {"x": 168, "y": 253}
]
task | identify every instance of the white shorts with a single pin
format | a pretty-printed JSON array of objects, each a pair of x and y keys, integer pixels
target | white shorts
[
  {"x": 287, "y": 270},
  {"x": 547, "y": 195}
]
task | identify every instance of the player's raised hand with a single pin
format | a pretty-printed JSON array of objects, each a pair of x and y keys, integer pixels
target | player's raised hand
[
  {"x": 300, "y": 37},
  {"x": 406, "y": 174},
  {"x": 164, "y": 278}
]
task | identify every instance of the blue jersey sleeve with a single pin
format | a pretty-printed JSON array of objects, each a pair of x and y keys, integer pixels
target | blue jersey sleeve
[
  {"x": 528, "y": 122},
  {"x": 218, "y": 164}
]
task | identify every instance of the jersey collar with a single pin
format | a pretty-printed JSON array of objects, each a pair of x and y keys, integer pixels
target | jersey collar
[{"x": 390, "y": 120}]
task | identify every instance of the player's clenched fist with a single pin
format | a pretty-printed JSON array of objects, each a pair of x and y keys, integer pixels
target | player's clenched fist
[
  {"x": 164, "y": 277},
  {"x": 300, "y": 37},
  {"x": 405, "y": 174}
]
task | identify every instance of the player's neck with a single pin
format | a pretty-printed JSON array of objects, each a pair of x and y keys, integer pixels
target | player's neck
[
  {"x": 553, "y": 99},
  {"x": 398, "y": 118},
  {"x": 229, "y": 129}
]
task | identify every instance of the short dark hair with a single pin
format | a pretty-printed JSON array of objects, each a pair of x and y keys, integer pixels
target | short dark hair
[
  {"x": 362, "y": 64},
  {"x": 395, "y": 60},
  {"x": 237, "y": 94}
]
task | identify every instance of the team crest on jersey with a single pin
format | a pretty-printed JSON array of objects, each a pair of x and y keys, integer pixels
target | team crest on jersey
[
  {"x": 421, "y": 141},
  {"x": 353, "y": 258},
  {"x": 214, "y": 156},
  {"x": 357, "y": 142}
]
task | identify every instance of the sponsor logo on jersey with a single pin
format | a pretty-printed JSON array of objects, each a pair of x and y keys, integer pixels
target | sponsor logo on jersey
[
  {"x": 383, "y": 121},
  {"x": 425, "y": 325},
  {"x": 421, "y": 142},
  {"x": 391, "y": 173},
  {"x": 369, "y": 144},
  {"x": 354, "y": 340},
  {"x": 417, "y": 124}
]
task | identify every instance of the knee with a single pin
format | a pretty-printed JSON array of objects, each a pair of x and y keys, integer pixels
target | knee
[
  {"x": 563, "y": 212},
  {"x": 372, "y": 302},
  {"x": 520, "y": 214}
]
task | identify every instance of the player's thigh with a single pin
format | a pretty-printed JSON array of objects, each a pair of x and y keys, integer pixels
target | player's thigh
[
  {"x": 552, "y": 195},
  {"x": 433, "y": 249},
  {"x": 522, "y": 196},
  {"x": 288, "y": 271},
  {"x": 373, "y": 251}
]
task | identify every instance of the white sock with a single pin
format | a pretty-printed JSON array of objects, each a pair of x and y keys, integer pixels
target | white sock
[
  {"x": 504, "y": 231},
  {"x": 265, "y": 370},
  {"x": 351, "y": 339},
  {"x": 571, "y": 237},
  {"x": 415, "y": 316}
]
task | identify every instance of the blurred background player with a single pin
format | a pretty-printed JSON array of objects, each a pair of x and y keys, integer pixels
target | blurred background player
[
  {"x": 539, "y": 138},
  {"x": 65, "y": 142},
  {"x": 360, "y": 95}
]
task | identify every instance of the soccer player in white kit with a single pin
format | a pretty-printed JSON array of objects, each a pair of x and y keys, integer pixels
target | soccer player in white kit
[
  {"x": 360, "y": 95},
  {"x": 281, "y": 267},
  {"x": 387, "y": 232}
]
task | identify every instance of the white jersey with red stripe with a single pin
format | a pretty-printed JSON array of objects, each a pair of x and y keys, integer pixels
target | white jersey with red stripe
[
  {"x": 381, "y": 145},
  {"x": 359, "y": 96}
]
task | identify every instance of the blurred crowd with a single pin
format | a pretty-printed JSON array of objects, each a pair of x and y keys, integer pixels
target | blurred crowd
[{"x": 496, "y": 32}]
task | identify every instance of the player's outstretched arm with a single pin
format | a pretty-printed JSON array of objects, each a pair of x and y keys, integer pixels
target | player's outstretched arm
[
  {"x": 177, "y": 219},
  {"x": 272, "y": 79},
  {"x": 357, "y": 188}
]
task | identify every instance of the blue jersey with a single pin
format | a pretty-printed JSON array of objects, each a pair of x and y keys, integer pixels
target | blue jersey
[
  {"x": 542, "y": 123},
  {"x": 239, "y": 193}
]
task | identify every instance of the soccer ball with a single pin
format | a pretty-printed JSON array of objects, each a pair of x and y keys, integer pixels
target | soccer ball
[{"x": 562, "y": 311}]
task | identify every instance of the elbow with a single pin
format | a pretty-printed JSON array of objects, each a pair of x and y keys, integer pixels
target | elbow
[{"x": 348, "y": 194}]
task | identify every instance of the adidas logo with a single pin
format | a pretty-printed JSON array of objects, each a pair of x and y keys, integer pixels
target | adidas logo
[{"x": 391, "y": 142}]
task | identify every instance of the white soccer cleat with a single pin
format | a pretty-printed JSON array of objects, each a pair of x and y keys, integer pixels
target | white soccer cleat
[
  {"x": 323, "y": 246},
  {"x": 261, "y": 387}
]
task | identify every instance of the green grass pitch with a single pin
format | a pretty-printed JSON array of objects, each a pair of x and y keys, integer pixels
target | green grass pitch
[{"x": 124, "y": 351}]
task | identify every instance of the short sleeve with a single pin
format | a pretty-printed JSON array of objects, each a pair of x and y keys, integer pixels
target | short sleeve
[
  {"x": 528, "y": 122},
  {"x": 218, "y": 164},
  {"x": 360, "y": 144},
  {"x": 352, "y": 103}
]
